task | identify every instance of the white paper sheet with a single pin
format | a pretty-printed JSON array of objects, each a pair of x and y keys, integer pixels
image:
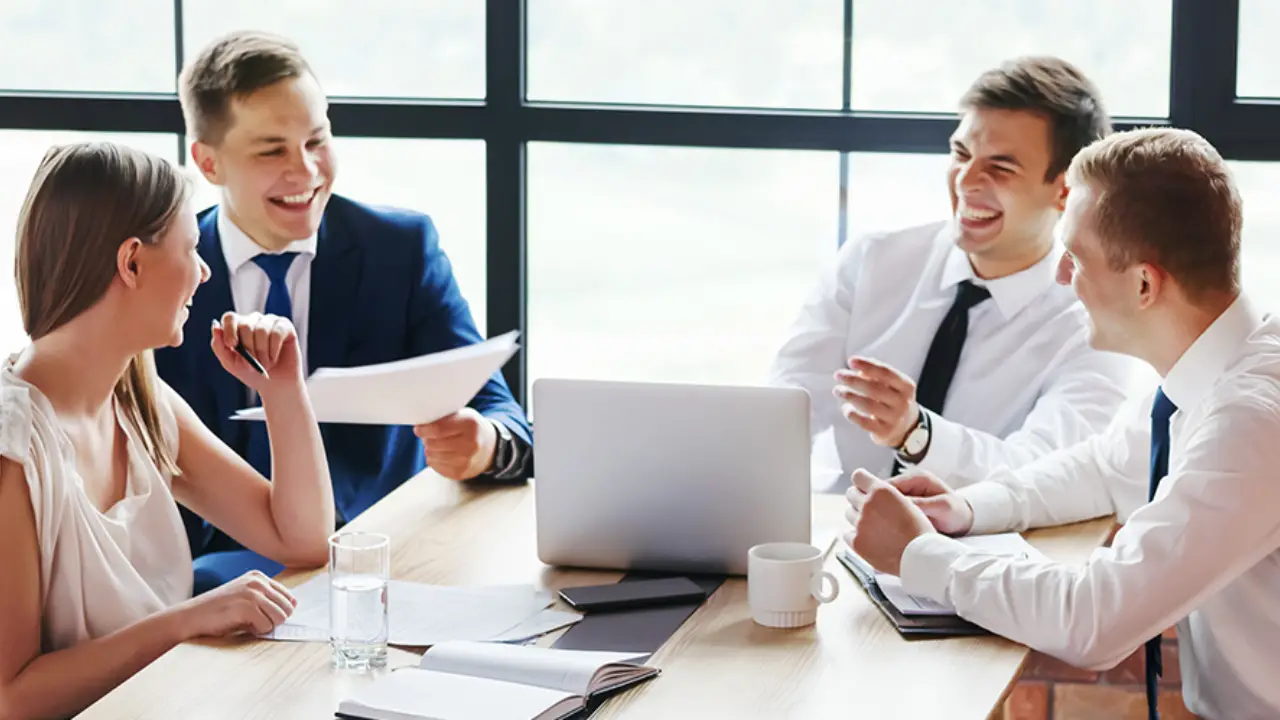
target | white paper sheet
[
  {"x": 405, "y": 392},
  {"x": 997, "y": 544},
  {"x": 537, "y": 626},
  {"x": 420, "y": 614}
]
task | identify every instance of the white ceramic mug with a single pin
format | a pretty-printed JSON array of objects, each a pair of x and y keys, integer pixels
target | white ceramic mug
[{"x": 785, "y": 584}]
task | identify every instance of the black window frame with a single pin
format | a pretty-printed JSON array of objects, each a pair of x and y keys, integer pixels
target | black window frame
[{"x": 1202, "y": 97}]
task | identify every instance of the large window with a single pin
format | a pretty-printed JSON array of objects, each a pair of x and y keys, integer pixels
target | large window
[
  {"x": 87, "y": 45},
  {"x": 646, "y": 190},
  {"x": 745, "y": 53},
  {"x": 673, "y": 264},
  {"x": 920, "y": 56},
  {"x": 370, "y": 48}
]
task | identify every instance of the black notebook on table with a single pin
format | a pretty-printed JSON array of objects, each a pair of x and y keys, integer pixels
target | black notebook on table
[{"x": 913, "y": 626}]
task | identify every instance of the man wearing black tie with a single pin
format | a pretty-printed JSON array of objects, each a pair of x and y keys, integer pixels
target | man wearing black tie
[
  {"x": 950, "y": 346},
  {"x": 1152, "y": 233}
]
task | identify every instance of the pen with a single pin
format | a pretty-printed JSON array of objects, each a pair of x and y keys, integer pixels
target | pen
[{"x": 249, "y": 358}]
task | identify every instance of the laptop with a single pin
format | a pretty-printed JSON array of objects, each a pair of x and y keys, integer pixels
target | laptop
[{"x": 668, "y": 477}]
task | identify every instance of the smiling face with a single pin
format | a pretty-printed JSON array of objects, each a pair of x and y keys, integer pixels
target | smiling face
[
  {"x": 275, "y": 163},
  {"x": 168, "y": 272},
  {"x": 1003, "y": 208},
  {"x": 1113, "y": 298}
]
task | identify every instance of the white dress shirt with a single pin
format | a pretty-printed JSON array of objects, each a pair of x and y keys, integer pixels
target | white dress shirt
[
  {"x": 1203, "y": 554},
  {"x": 249, "y": 283},
  {"x": 1027, "y": 382}
]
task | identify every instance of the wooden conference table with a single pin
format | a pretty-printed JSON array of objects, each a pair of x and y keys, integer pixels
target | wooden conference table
[{"x": 852, "y": 663}]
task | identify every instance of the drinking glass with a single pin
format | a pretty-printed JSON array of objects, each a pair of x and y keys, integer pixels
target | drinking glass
[{"x": 359, "y": 568}]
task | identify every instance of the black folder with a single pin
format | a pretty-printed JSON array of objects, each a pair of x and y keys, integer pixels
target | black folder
[{"x": 911, "y": 627}]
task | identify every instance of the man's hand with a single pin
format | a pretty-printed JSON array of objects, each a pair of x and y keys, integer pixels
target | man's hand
[
  {"x": 878, "y": 399},
  {"x": 884, "y": 522},
  {"x": 949, "y": 513},
  {"x": 459, "y": 446}
]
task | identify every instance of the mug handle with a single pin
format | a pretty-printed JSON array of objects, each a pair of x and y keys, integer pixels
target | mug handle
[{"x": 816, "y": 583}]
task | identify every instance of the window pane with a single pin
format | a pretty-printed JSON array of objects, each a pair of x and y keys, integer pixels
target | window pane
[
  {"x": 921, "y": 56},
  {"x": 672, "y": 264},
  {"x": 1258, "y": 53},
  {"x": 20, "y": 155},
  {"x": 87, "y": 45},
  {"x": 890, "y": 191},
  {"x": 749, "y": 53},
  {"x": 375, "y": 48},
  {"x": 1260, "y": 242},
  {"x": 442, "y": 178}
]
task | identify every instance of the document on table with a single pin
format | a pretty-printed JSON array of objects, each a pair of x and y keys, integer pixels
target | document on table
[
  {"x": 998, "y": 544},
  {"x": 404, "y": 392},
  {"x": 421, "y": 615}
]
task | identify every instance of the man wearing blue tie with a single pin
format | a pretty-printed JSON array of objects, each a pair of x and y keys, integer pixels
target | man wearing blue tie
[
  {"x": 1152, "y": 230},
  {"x": 362, "y": 285}
]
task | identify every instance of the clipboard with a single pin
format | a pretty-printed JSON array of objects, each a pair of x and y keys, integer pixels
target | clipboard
[{"x": 911, "y": 627}]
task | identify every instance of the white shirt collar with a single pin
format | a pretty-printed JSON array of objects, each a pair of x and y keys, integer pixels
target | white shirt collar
[
  {"x": 1193, "y": 376},
  {"x": 1011, "y": 292},
  {"x": 238, "y": 248}
]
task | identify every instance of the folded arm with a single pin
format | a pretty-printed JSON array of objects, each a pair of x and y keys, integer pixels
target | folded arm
[{"x": 1214, "y": 520}]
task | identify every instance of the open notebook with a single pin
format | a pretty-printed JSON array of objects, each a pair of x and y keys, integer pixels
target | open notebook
[{"x": 489, "y": 681}]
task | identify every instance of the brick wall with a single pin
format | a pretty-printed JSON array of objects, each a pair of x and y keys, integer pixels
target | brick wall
[{"x": 1052, "y": 690}]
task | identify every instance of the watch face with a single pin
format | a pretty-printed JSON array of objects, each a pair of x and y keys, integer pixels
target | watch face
[{"x": 916, "y": 441}]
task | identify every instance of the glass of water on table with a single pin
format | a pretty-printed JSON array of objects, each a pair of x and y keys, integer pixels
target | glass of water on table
[{"x": 359, "y": 568}]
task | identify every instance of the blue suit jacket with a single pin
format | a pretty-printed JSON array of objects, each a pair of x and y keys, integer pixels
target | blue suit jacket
[{"x": 382, "y": 289}]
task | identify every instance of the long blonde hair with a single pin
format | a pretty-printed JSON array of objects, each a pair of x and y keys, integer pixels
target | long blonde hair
[{"x": 85, "y": 200}]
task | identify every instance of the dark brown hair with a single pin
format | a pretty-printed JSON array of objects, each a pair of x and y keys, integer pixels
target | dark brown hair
[
  {"x": 1052, "y": 88},
  {"x": 233, "y": 66},
  {"x": 1165, "y": 196},
  {"x": 85, "y": 200}
]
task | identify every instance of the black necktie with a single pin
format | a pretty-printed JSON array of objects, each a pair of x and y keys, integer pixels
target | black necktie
[
  {"x": 944, "y": 353},
  {"x": 1161, "y": 410}
]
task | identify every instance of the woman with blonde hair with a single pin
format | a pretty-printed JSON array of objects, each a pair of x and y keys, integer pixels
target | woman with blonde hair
[{"x": 94, "y": 449}]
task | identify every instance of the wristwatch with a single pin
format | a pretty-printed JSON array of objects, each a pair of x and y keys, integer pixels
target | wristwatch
[
  {"x": 915, "y": 446},
  {"x": 504, "y": 449}
]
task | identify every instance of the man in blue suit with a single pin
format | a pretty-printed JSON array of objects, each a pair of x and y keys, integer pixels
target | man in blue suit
[{"x": 361, "y": 284}]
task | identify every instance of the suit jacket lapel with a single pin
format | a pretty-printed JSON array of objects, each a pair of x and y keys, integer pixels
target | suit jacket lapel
[
  {"x": 335, "y": 279},
  {"x": 211, "y": 301}
]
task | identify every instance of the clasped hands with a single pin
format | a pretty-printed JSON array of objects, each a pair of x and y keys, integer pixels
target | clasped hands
[{"x": 887, "y": 515}]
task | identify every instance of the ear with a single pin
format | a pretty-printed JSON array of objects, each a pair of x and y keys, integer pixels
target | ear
[
  {"x": 1150, "y": 284},
  {"x": 205, "y": 157},
  {"x": 127, "y": 261},
  {"x": 1061, "y": 190}
]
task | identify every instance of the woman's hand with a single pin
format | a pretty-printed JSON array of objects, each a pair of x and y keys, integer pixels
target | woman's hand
[
  {"x": 271, "y": 339},
  {"x": 251, "y": 603}
]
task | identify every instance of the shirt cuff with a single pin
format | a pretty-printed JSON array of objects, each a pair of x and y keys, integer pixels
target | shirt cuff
[
  {"x": 944, "y": 446},
  {"x": 993, "y": 507},
  {"x": 926, "y": 565}
]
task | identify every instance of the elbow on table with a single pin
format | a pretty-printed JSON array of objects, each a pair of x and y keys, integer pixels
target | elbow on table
[{"x": 1097, "y": 655}]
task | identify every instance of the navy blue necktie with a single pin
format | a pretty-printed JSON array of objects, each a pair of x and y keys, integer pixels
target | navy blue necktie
[
  {"x": 278, "y": 303},
  {"x": 1161, "y": 410}
]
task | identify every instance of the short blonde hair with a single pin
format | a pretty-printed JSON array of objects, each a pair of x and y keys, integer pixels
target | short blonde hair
[{"x": 1165, "y": 196}]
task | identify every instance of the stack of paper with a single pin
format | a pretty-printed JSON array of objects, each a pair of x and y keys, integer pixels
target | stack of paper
[
  {"x": 405, "y": 392},
  {"x": 1000, "y": 544},
  {"x": 422, "y": 615}
]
